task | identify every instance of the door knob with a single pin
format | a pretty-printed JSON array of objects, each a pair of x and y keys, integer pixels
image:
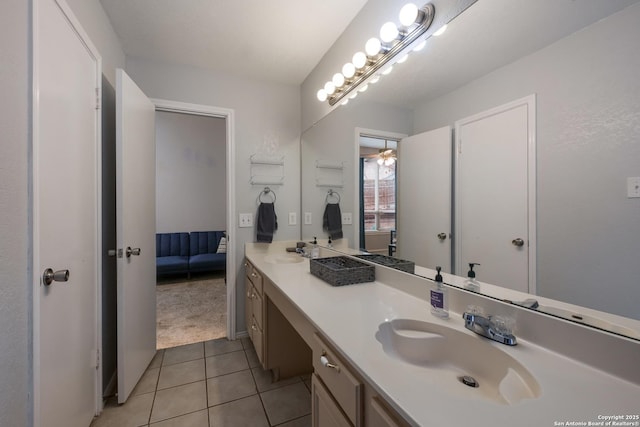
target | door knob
[
  {"x": 517, "y": 242},
  {"x": 442, "y": 236},
  {"x": 134, "y": 251},
  {"x": 49, "y": 276}
]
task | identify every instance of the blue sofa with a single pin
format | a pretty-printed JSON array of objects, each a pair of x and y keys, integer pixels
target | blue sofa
[
  {"x": 186, "y": 253},
  {"x": 202, "y": 254},
  {"x": 172, "y": 253}
]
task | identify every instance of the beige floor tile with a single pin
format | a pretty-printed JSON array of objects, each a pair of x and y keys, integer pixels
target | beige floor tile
[
  {"x": 243, "y": 412},
  {"x": 183, "y": 353},
  {"x": 181, "y": 373},
  {"x": 230, "y": 387},
  {"x": 195, "y": 419},
  {"x": 252, "y": 357},
  {"x": 134, "y": 413},
  {"x": 287, "y": 403},
  {"x": 147, "y": 383},
  {"x": 264, "y": 380},
  {"x": 180, "y": 400},
  {"x": 226, "y": 363},
  {"x": 298, "y": 422},
  {"x": 221, "y": 346},
  {"x": 156, "y": 362}
]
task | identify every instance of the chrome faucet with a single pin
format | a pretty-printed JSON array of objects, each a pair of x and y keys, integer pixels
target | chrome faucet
[{"x": 492, "y": 327}]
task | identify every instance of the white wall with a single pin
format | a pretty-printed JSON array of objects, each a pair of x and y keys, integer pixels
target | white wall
[
  {"x": 191, "y": 173},
  {"x": 15, "y": 289},
  {"x": 588, "y": 143},
  {"x": 267, "y": 120}
]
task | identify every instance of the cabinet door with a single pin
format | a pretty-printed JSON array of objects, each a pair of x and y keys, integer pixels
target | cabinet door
[
  {"x": 324, "y": 410},
  {"x": 381, "y": 416},
  {"x": 248, "y": 305}
]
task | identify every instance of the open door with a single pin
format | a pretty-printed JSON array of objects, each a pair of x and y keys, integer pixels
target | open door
[
  {"x": 424, "y": 199},
  {"x": 135, "y": 229}
]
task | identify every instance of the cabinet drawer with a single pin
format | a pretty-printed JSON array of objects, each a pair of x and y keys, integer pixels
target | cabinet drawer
[
  {"x": 256, "y": 278},
  {"x": 257, "y": 339},
  {"x": 324, "y": 410},
  {"x": 256, "y": 303},
  {"x": 340, "y": 381}
]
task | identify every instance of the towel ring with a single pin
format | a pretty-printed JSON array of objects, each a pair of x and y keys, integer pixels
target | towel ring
[
  {"x": 332, "y": 193},
  {"x": 264, "y": 192}
]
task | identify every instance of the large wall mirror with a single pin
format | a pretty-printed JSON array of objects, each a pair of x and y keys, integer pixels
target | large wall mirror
[{"x": 581, "y": 62}]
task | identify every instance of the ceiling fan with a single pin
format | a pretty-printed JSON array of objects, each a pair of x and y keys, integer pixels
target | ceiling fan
[{"x": 386, "y": 156}]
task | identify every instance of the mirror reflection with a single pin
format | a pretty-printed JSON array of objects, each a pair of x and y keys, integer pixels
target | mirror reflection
[{"x": 574, "y": 66}]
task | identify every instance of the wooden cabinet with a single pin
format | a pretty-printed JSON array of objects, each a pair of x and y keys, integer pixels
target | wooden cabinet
[
  {"x": 325, "y": 412},
  {"x": 340, "y": 381},
  {"x": 254, "y": 317}
]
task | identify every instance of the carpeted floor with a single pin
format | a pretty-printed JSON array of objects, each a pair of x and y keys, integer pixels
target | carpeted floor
[{"x": 191, "y": 311}]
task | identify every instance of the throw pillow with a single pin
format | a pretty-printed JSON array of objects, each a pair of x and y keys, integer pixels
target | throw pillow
[{"x": 222, "y": 246}]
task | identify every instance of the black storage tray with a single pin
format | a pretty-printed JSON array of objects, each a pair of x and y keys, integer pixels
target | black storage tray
[
  {"x": 342, "y": 270},
  {"x": 388, "y": 261}
]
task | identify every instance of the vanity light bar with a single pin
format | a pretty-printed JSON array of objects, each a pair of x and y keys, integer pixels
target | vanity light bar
[{"x": 404, "y": 37}]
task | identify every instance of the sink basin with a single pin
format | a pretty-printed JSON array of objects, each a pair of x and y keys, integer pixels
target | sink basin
[
  {"x": 465, "y": 365},
  {"x": 283, "y": 259},
  {"x": 586, "y": 319}
]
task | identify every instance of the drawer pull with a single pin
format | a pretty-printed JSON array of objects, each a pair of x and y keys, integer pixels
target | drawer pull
[
  {"x": 248, "y": 294},
  {"x": 325, "y": 362},
  {"x": 254, "y": 275},
  {"x": 254, "y": 327}
]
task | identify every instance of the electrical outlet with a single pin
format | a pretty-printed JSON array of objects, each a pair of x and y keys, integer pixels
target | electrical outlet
[
  {"x": 347, "y": 218},
  {"x": 307, "y": 218},
  {"x": 633, "y": 187},
  {"x": 245, "y": 220},
  {"x": 293, "y": 218}
]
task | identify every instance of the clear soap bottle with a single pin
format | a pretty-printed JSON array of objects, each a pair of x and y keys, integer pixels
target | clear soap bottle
[
  {"x": 439, "y": 297},
  {"x": 471, "y": 283}
]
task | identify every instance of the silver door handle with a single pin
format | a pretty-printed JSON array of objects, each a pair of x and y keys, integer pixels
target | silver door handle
[
  {"x": 517, "y": 242},
  {"x": 49, "y": 276},
  {"x": 134, "y": 251},
  {"x": 442, "y": 236}
]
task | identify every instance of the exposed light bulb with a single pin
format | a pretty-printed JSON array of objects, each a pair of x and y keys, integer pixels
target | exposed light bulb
[
  {"x": 338, "y": 79},
  {"x": 403, "y": 59},
  {"x": 322, "y": 95},
  {"x": 389, "y": 161},
  {"x": 408, "y": 14},
  {"x": 388, "y": 32},
  {"x": 387, "y": 71},
  {"x": 349, "y": 70},
  {"x": 359, "y": 60},
  {"x": 380, "y": 161},
  {"x": 441, "y": 30},
  {"x": 420, "y": 46},
  {"x": 373, "y": 46},
  {"x": 330, "y": 88}
]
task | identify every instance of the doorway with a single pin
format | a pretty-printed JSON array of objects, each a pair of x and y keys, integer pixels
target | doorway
[{"x": 191, "y": 177}]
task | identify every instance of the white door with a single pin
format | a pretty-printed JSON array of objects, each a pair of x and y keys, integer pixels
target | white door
[
  {"x": 66, "y": 128},
  {"x": 135, "y": 229},
  {"x": 495, "y": 195},
  {"x": 424, "y": 199}
]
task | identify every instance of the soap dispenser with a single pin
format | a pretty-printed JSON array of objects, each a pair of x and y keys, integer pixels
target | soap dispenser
[
  {"x": 439, "y": 297},
  {"x": 315, "y": 249},
  {"x": 471, "y": 283}
]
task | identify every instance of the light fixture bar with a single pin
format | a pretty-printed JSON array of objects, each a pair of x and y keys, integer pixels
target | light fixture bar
[{"x": 427, "y": 15}]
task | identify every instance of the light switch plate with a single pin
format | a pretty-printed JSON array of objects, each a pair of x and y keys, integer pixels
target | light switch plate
[
  {"x": 347, "y": 218},
  {"x": 293, "y": 218},
  {"x": 245, "y": 220},
  {"x": 307, "y": 218},
  {"x": 633, "y": 187}
]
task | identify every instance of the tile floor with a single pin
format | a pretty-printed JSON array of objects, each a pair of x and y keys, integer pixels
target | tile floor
[{"x": 210, "y": 384}]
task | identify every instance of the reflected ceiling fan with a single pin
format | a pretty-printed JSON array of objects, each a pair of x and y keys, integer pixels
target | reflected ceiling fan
[{"x": 386, "y": 156}]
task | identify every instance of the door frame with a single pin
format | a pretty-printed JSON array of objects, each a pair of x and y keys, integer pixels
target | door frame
[
  {"x": 35, "y": 208},
  {"x": 530, "y": 102},
  {"x": 380, "y": 134},
  {"x": 229, "y": 116}
]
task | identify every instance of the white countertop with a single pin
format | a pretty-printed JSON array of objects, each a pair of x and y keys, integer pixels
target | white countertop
[{"x": 350, "y": 315}]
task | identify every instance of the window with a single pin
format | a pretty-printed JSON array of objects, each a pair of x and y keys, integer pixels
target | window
[{"x": 379, "y": 189}]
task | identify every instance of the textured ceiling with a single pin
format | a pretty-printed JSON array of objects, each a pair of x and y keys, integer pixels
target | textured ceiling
[{"x": 275, "y": 40}]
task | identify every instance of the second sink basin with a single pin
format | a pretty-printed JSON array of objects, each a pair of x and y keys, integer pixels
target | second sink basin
[
  {"x": 283, "y": 259},
  {"x": 463, "y": 364}
]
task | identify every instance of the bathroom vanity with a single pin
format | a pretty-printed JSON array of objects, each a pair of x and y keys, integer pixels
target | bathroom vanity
[{"x": 379, "y": 358}]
